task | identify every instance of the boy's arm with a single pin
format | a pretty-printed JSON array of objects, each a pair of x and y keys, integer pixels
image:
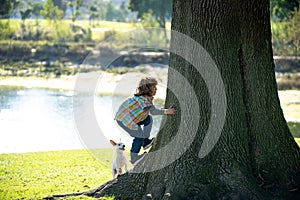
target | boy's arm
[{"x": 154, "y": 111}]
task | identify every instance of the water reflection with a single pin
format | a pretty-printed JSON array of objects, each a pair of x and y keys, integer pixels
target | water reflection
[
  {"x": 35, "y": 120},
  {"x": 42, "y": 120}
]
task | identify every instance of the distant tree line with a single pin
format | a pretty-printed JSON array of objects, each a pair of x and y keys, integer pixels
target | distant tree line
[
  {"x": 284, "y": 15},
  {"x": 65, "y": 9}
]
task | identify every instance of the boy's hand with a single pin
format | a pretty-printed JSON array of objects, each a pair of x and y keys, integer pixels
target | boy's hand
[{"x": 170, "y": 111}]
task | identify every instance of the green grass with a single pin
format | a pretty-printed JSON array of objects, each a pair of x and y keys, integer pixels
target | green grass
[
  {"x": 117, "y": 27},
  {"x": 298, "y": 141},
  {"x": 35, "y": 175},
  {"x": 15, "y": 23},
  {"x": 294, "y": 128}
]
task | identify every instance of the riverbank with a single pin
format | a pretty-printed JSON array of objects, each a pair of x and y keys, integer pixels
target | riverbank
[
  {"x": 105, "y": 83},
  {"x": 125, "y": 84}
]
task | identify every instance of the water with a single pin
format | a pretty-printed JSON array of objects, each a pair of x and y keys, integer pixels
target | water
[{"x": 34, "y": 120}]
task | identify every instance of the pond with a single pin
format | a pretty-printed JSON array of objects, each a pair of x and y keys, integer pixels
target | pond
[{"x": 43, "y": 120}]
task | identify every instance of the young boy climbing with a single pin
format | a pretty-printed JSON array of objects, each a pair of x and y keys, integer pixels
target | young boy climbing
[{"x": 135, "y": 112}]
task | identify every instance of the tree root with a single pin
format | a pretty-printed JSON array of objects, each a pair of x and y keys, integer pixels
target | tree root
[{"x": 125, "y": 186}]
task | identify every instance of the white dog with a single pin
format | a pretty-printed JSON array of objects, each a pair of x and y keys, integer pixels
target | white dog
[{"x": 120, "y": 160}]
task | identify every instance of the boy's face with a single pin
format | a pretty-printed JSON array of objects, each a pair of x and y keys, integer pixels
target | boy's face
[{"x": 153, "y": 90}]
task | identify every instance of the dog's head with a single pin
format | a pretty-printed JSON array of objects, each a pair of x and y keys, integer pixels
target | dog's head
[{"x": 118, "y": 146}]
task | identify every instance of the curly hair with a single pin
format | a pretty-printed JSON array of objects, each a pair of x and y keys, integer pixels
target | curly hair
[{"x": 145, "y": 86}]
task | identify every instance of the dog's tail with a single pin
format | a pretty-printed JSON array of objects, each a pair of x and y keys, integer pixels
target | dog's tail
[{"x": 115, "y": 172}]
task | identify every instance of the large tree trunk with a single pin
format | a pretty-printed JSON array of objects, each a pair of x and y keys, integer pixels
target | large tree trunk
[{"x": 255, "y": 156}]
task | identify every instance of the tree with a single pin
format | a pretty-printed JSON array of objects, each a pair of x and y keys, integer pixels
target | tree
[
  {"x": 51, "y": 12},
  {"x": 93, "y": 12},
  {"x": 36, "y": 10},
  {"x": 282, "y": 9},
  {"x": 25, "y": 10},
  {"x": 75, "y": 5},
  {"x": 293, "y": 32},
  {"x": 160, "y": 9},
  {"x": 61, "y": 4},
  {"x": 7, "y": 7},
  {"x": 255, "y": 155},
  {"x": 113, "y": 13},
  {"x": 285, "y": 35}
]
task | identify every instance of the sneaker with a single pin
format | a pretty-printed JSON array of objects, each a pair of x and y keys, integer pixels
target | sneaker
[
  {"x": 136, "y": 159},
  {"x": 148, "y": 143}
]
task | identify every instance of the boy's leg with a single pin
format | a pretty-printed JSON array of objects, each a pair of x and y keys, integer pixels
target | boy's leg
[
  {"x": 139, "y": 136},
  {"x": 147, "y": 130},
  {"x": 148, "y": 126},
  {"x": 135, "y": 149},
  {"x": 136, "y": 145},
  {"x": 148, "y": 143},
  {"x": 133, "y": 133}
]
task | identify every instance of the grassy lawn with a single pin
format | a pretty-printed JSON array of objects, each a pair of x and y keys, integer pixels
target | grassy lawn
[
  {"x": 15, "y": 23},
  {"x": 35, "y": 175},
  {"x": 98, "y": 29},
  {"x": 294, "y": 128},
  {"x": 298, "y": 141}
]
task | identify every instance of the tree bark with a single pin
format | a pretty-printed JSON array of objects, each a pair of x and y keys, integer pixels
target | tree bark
[{"x": 256, "y": 156}]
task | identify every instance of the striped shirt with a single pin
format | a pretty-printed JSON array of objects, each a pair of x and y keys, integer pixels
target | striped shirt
[{"x": 134, "y": 110}]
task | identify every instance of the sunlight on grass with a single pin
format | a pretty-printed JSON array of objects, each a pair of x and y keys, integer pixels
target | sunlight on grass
[
  {"x": 298, "y": 141},
  {"x": 34, "y": 175}
]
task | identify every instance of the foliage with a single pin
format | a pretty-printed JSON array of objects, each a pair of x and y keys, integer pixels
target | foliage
[
  {"x": 61, "y": 4},
  {"x": 51, "y": 12},
  {"x": 159, "y": 9},
  {"x": 293, "y": 31},
  {"x": 35, "y": 175},
  {"x": 286, "y": 35},
  {"x": 75, "y": 5},
  {"x": 281, "y": 10},
  {"x": 115, "y": 14},
  {"x": 36, "y": 10},
  {"x": 111, "y": 12},
  {"x": 6, "y": 8},
  {"x": 149, "y": 20},
  {"x": 6, "y": 31},
  {"x": 97, "y": 11},
  {"x": 25, "y": 9}
]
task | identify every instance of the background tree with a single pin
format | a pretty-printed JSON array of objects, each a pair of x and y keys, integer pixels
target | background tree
[
  {"x": 285, "y": 27},
  {"x": 114, "y": 13},
  {"x": 293, "y": 30},
  {"x": 124, "y": 11},
  {"x": 36, "y": 11},
  {"x": 282, "y": 9},
  {"x": 93, "y": 12},
  {"x": 25, "y": 9},
  {"x": 6, "y": 8},
  {"x": 111, "y": 12},
  {"x": 160, "y": 9},
  {"x": 51, "y": 12},
  {"x": 75, "y": 6},
  {"x": 256, "y": 156},
  {"x": 61, "y": 4}
]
